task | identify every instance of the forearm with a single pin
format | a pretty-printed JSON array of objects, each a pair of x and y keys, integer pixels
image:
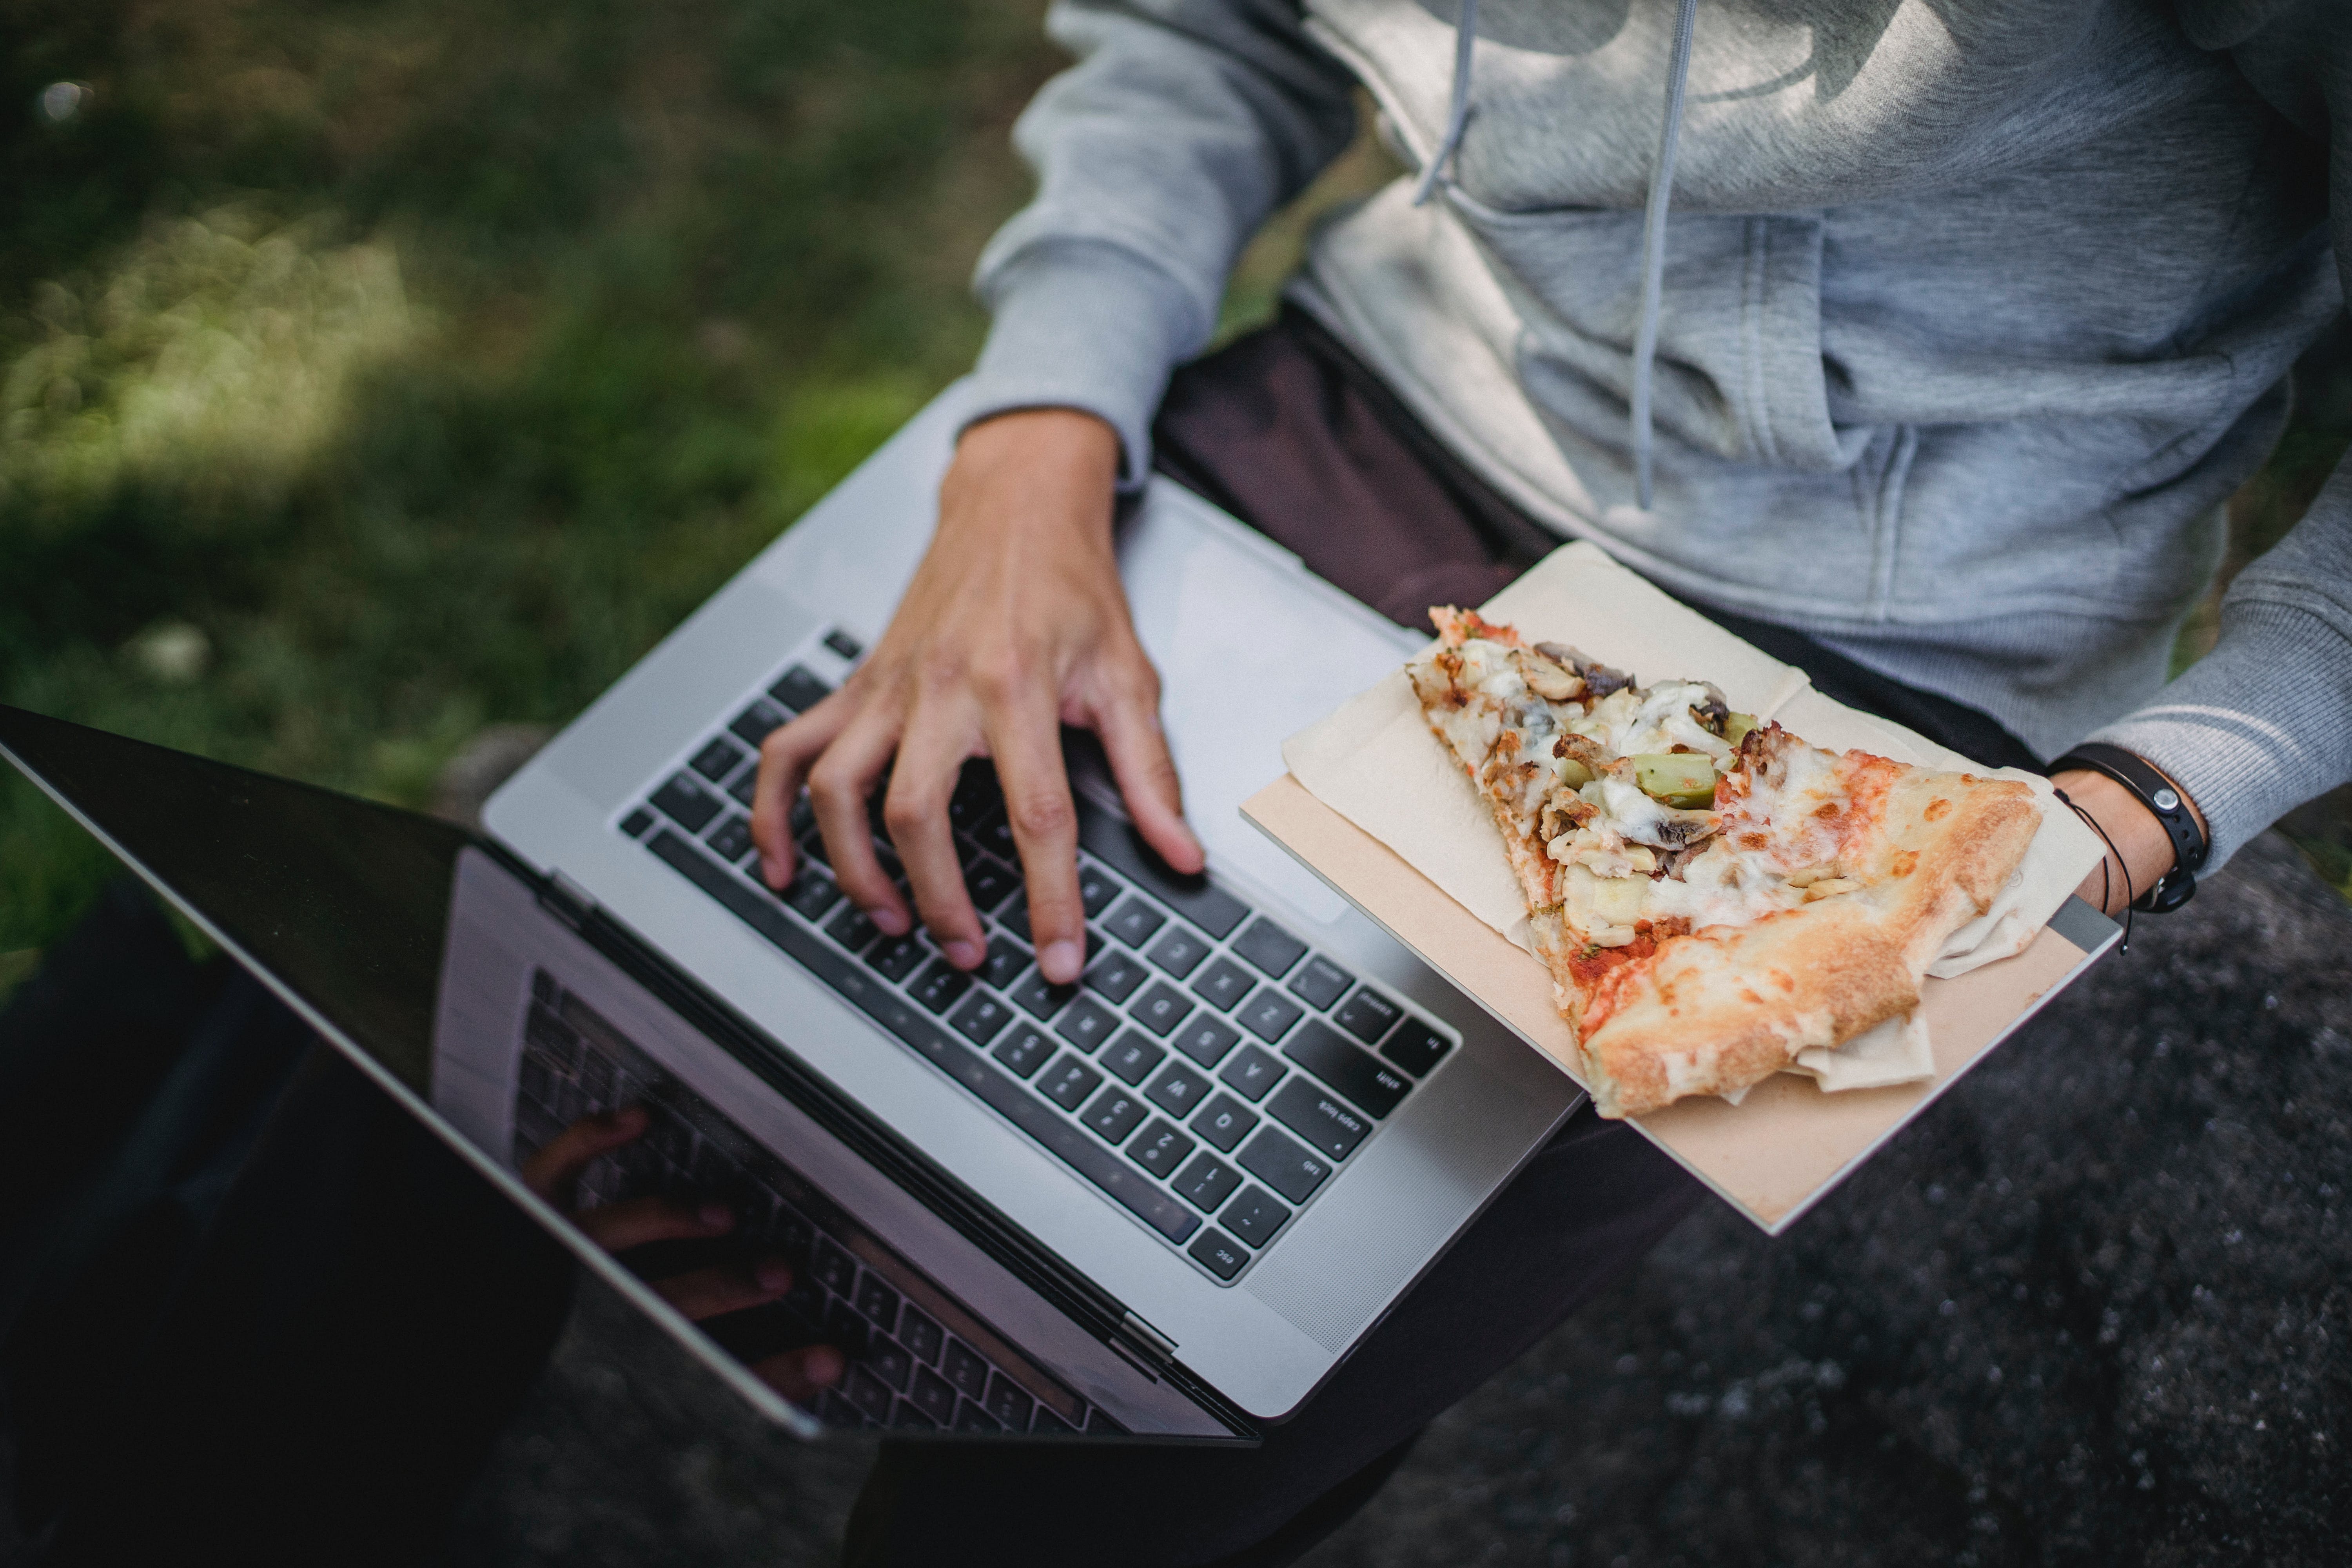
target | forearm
[{"x": 1183, "y": 125}]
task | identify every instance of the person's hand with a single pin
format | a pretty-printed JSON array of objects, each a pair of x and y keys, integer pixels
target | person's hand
[
  {"x": 554, "y": 1175},
  {"x": 2134, "y": 831},
  {"x": 1015, "y": 623}
]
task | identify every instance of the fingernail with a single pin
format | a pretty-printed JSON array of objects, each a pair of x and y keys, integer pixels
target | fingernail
[
  {"x": 962, "y": 954},
  {"x": 716, "y": 1215},
  {"x": 1061, "y": 961},
  {"x": 888, "y": 921},
  {"x": 773, "y": 1274}
]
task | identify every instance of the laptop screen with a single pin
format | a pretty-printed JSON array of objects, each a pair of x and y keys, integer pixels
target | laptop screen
[{"x": 440, "y": 964}]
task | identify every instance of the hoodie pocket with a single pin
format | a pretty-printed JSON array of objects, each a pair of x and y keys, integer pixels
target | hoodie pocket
[{"x": 1739, "y": 370}]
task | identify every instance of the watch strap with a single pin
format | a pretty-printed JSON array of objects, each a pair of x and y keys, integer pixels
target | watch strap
[{"x": 2154, "y": 791}]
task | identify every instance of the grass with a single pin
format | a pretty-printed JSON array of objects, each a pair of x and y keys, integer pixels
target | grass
[{"x": 371, "y": 373}]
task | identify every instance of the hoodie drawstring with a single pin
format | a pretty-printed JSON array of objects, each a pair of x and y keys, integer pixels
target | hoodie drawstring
[
  {"x": 1653, "y": 249},
  {"x": 1457, "y": 109},
  {"x": 1654, "y": 211}
]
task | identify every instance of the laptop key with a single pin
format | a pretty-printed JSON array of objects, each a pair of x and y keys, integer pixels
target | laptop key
[
  {"x": 811, "y": 893},
  {"x": 1267, "y": 1013},
  {"x": 891, "y": 1364},
  {"x": 685, "y": 803},
  {"x": 1367, "y": 1015},
  {"x": 1255, "y": 1216},
  {"x": 1068, "y": 1082},
  {"x": 753, "y": 725},
  {"x": 934, "y": 1396},
  {"x": 971, "y": 1417},
  {"x": 1179, "y": 1088},
  {"x": 1205, "y": 1039},
  {"x": 1046, "y": 1422},
  {"x": 637, "y": 822},
  {"x": 833, "y": 1267},
  {"x": 800, "y": 689},
  {"x": 1131, "y": 1058},
  {"x": 981, "y": 1017},
  {"x": 1115, "y": 975},
  {"x": 1416, "y": 1048},
  {"x": 1160, "y": 1009},
  {"x": 731, "y": 840},
  {"x": 877, "y": 1302},
  {"x": 1251, "y": 1072},
  {"x": 1008, "y": 1403},
  {"x": 1372, "y": 1085},
  {"x": 842, "y": 642},
  {"x": 1283, "y": 1166},
  {"x": 1206, "y": 1182},
  {"x": 1041, "y": 998},
  {"x": 1303, "y": 1106},
  {"x": 1134, "y": 921},
  {"x": 718, "y": 759},
  {"x": 905, "y": 1417},
  {"x": 920, "y": 1335},
  {"x": 897, "y": 957},
  {"x": 1086, "y": 1024},
  {"x": 1195, "y": 898},
  {"x": 966, "y": 1370},
  {"x": 1006, "y": 960},
  {"x": 1268, "y": 946},
  {"x": 1178, "y": 951},
  {"x": 1215, "y": 1251},
  {"x": 1225, "y": 1121},
  {"x": 1320, "y": 982},
  {"x": 1113, "y": 1114},
  {"x": 939, "y": 987},
  {"x": 1160, "y": 1149},
  {"x": 989, "y": 881},
  {"x": 1096, "y": 889},
  {"x": 1222, "y": 983},
  {"x": 852, "y": 928},
  {"x": 1024, "y": 1048},
  {"x": 746, "y": 784}
]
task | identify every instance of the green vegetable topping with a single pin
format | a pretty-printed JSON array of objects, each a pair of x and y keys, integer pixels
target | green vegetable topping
[{"x": 1682, "y": 779}]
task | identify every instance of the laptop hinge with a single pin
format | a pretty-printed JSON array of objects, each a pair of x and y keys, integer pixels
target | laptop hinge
[
  {"x": 567, "y": 899},
  {"x": 1148, "y": 1339}
]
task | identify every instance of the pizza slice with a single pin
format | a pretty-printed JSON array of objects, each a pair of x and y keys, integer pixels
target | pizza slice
[{"x": 1712, "y": 896}]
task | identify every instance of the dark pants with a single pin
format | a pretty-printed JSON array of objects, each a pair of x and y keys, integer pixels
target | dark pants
[{"x": 1286, "y": 430}]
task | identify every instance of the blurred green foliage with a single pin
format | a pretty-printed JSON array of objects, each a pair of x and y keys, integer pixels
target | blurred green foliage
[{"x": 372, "y": 372}]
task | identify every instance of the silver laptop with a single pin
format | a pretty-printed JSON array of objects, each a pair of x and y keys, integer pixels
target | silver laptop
[{"x": 1163, "y": 1204}]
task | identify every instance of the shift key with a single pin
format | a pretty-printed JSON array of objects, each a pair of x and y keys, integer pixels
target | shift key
[{"x": 1322, "y": 1050}]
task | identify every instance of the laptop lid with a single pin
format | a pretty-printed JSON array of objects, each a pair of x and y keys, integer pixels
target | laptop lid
[{"x": 496, "y": 1009}]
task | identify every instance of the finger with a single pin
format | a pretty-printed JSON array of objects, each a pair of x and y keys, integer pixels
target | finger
[
  {"x": 800, "y": 1375},
  {"x": 931, "y": 759},
  {"x": 553, "y": 1172},
  {"x": 1128, "y": 724},
  {"x": 725, "y": 1288},
  {"x": 616, "y": 1227},
  {"x": 1028, "y": 746},
  {"x": 839, "y": 786},
  {"x": 785, "y": 758}
]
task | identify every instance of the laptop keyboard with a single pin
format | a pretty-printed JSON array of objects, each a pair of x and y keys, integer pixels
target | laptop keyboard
[
  {"x": 1210, "y": 1073},
  {"x": 916, "y": 1360}
]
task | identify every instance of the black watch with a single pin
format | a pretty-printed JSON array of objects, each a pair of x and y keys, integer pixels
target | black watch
[{"x": 2154, "y": 791}]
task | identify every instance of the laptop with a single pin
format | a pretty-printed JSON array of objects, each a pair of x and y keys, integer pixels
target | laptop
[{"x": 1161, "y": 1205}]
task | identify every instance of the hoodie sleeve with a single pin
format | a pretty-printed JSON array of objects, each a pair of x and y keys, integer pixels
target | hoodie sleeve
[
  {"x": 1184, "y": 123},
  {"x": 2264, "y": 722}
]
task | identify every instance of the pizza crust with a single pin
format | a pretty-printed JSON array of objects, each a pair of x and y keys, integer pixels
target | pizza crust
[{"x": 1719, "y": 1010}]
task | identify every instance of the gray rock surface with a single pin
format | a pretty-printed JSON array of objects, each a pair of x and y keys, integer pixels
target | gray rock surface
[{"x": 2095, "y": 1307}]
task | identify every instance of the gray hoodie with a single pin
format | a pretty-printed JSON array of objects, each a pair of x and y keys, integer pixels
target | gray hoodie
[{"x": 1969, "y": 314}]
